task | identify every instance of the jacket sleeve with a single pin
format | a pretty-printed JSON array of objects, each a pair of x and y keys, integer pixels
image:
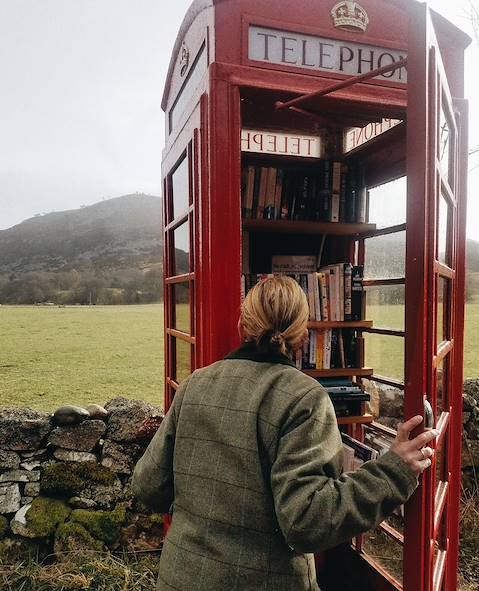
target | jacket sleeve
[
  {"x": 317, "y": 507},
  {"x": 152, "y": 481}
]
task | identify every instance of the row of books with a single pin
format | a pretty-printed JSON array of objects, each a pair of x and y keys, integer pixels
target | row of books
[
  {"x": 332, "y": 348},
  {"x": 356, "y": 453},
  {"x": 335, "y": 292},
  {"x": 330, "y": 192}
]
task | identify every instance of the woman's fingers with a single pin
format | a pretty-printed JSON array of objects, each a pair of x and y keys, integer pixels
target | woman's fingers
[
  {"x": 405, "y": 428},
  {"x": 424, "y": 453},
  {"x": 424, "y": 438}
]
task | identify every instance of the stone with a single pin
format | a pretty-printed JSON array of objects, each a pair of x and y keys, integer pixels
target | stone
[
  {"x": 3, "y": 526},
  {"x": 9, "y": 498},
  {"x": 470, "y": 454},
  {"x": 103, "y": 525},
  {"x": 23, "y": 428},
  {"x": 69, "y": 455},
  {"x": 20, "y": 476},
  {"x": 70, "y": 415},
  {"x": 471, "y": 391},
  {"x": 120, "y": 458},
  {"x": 472, "y": 429},
  {"x": 40, "y": 518},
  {"x": 82, "y": 503},
  {"x": 105, "y": 495},
  {"x": 391, "y": 402},
  {"x": 9, "y": 460},
  {"x": 82, "y": 437},
  {"x": 465, "y": 417},
  {"x": 72, "y": 539},
  {"x": 69, "y": 479},
  {"x": 31, "y": 465},
  {"x": 133, "y": 421},
  {"x": 32, "y": 489},
  {"x": 97, "y": 412},
  {"x": 26, "y": 500},
  {"x": 33, "y": 454}
]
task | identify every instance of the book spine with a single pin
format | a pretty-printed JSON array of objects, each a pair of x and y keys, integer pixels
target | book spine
[
  {"x": 335, "y": 192},
  {"x": 250, "y": 192},
  {"x": 343, "y": 194},
  {"x": 256, "y": 190},
  {"x": 340, "y": 302},
  {"x": 347, "y": 290},
  {"x": 278, "y": 193},
  {"x": 356, "y": 293},
  {"x": 270, "y": 194},
  {"x": 324, "y": 296},
  {"x": 317, "y": 298},
  {"x": 263, "y": 187}
]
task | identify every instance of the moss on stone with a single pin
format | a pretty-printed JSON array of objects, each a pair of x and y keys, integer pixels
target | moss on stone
[
  {"x": 103, "y": 525},
  {"x": 45, "y": 515},
  {"x": 155, "y": 519},
  {"x": 71, "y": 537},
  {"x": 67, "y": 479},
  {"x": 3, "y": 526}
]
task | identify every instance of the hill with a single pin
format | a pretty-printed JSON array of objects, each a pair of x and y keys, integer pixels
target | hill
[
  {"x": 109, "y": 252},
  {"x": 116, "y": 233}
]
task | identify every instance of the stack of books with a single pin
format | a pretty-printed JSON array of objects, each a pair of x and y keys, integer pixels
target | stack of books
[
  {"x": 335, "y": 292},
  {"x": 347, "y": 397},
  {"x": 355, "y": 453},
  {"x": 330, "y": 348},
  {"x": 329, "y": 192}
]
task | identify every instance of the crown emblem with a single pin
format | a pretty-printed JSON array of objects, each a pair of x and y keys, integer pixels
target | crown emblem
[{"x": 350, "y": 16}]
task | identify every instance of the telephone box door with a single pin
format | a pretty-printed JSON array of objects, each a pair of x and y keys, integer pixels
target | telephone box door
[{"x": 434, "y": 308}]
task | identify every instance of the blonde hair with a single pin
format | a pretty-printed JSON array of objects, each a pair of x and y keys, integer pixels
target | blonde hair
[{"x": 274, "y": 314}]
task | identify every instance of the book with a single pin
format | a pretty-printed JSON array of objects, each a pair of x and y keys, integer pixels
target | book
[
  {"x": 270, "y": 196},
  {"x": 292, "y": 264},
  {"x": 356, "y": 292},
  {"x": 335, "y": 192}
]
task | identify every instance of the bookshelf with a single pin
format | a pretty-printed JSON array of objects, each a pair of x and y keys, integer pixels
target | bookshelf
[{"x": 313, "y": 207}]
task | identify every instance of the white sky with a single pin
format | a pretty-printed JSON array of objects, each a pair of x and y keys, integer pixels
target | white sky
[{"x": 81, "y": 86}]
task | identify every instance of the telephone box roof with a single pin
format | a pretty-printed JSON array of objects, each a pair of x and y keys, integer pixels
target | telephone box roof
[{"x": 448, "y": 29}]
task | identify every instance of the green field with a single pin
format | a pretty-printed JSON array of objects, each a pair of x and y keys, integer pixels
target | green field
[{"x": 51, "y": 356}]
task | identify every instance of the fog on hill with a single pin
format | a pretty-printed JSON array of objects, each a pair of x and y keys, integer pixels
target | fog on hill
[{"x": 111, "y": 253}]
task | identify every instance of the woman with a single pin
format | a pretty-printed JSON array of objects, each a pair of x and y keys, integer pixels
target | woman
[{"x": 249, "y": 460}]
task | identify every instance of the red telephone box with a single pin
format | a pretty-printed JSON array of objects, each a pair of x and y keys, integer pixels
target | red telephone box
[{"x": 376, "y": 86}]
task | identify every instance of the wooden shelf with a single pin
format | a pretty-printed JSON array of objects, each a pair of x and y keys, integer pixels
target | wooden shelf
[
  {"x": 306, "y": 227},
  {"x": 338, "y": 372},
  {"x": 341, "y": 324},
  {"x": 360, "y": 420}
]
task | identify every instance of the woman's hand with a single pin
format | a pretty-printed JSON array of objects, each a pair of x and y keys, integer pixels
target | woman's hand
[{"x": 413, "y": 451}]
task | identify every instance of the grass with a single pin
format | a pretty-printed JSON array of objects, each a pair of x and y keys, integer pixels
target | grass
[
  {"x": 51, "y": 356},
  {"x": 94, "y": 572}
]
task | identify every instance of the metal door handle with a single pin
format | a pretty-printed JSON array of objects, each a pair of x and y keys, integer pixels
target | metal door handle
[{"x": 428, "y": 415}]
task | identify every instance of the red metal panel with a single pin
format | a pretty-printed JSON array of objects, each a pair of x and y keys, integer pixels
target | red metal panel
[{"x": 458, "y": 362}]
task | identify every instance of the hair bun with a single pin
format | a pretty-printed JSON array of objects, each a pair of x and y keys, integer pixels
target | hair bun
[{"x": 277, "y": 339}]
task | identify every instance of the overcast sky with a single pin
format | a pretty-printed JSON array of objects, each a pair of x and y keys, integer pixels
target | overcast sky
[{"x": 81, "y": 86}]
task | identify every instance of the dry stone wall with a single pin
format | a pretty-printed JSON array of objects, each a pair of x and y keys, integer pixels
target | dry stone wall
[{"x": 65, "y": 479}]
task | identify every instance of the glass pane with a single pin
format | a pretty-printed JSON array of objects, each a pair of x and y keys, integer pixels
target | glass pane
[
  {"x": 387, "y": 407},
  {"x": 180, "y": 188},
  {"x": 445, "y": 146},
  {"x": 181, "y": 245},
  {"x": 443, "y": 240},
  {"x": 385, "y": 306},
  {"x": 387, "y": 203},
  {"x": 181, "y": 298},
  {"x": 385, "y": 551},
  {"x": 385, "y": 354},
  {"x": 183, "y": 360},
  {"x": 441, "y": 388},
  {"x": 385, "y": 256},
  {"x": 442, "y": 309}
]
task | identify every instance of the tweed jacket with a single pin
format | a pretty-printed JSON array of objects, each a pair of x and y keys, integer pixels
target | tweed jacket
[{"x": 249, "y": 459}]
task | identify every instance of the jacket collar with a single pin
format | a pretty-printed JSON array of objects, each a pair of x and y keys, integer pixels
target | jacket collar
[{"x": 249, "y": 350}]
